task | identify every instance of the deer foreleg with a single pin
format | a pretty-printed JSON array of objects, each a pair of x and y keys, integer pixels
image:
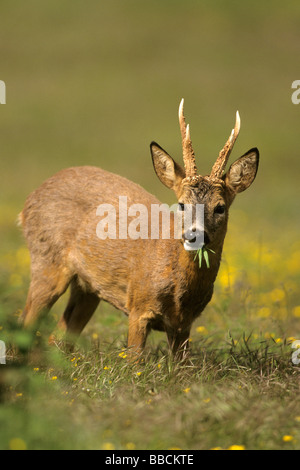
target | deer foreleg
[
  {"x": 139, "y": 328},
  {"x": 179, "y": 342}
]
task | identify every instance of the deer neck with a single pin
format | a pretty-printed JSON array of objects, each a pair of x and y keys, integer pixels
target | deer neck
[{"x": 198, "y": 271}]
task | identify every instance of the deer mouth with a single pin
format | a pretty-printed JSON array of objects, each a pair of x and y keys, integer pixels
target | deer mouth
[{"x": 189, "y": 246}]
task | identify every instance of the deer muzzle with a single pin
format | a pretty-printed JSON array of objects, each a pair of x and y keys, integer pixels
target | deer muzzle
[{"x": 194, "y": 239}]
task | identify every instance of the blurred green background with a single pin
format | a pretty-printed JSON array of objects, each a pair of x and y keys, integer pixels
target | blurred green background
[{"x": 93, "y": 83}]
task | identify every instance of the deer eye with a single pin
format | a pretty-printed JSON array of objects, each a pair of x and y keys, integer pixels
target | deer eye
[
  {"x": 180, "y": 206},
  {"x": 220, "y": 209}
]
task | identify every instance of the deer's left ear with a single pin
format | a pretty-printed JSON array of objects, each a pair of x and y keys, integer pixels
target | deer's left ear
[
  {"x": 168, "y": 171},
  {"x": 242, "y": 172}
]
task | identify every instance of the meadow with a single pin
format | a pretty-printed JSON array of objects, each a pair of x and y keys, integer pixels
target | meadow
[{"x": 94, "y": 83}]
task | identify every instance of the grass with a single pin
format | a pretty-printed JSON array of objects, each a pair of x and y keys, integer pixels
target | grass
[
  {"x": 96, "y": 400},
  {"x": 203, "y": 252},
  {"x": 94, "y": 83},
  {"x": 240, "y": 387}
]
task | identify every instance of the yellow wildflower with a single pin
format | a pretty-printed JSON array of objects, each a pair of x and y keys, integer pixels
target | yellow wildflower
[
  {"x": 296, "y": 311},
  {"x": 108, "y": 446},
  {"x": 269, "y": 335},
  {"x": 202, "y": 330},
  {"x": 293, "y": 263},
  {"x": 287, "y": 438},
  {"x": 277, "y": 295},
  {"x": 130, "y": 446},
  {"x": 17, "y": 444}
]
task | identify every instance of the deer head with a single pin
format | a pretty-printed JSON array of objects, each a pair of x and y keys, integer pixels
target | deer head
[{"x": 215, "y": 191}]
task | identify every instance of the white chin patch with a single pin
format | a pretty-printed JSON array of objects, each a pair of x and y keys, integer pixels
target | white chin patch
[{"x": 192, "y": 246}]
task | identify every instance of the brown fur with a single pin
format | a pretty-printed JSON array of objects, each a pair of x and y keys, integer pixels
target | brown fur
[{"x": 156, "y": 282}]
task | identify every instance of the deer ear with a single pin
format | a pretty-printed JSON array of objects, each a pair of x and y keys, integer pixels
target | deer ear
[
  {"x": 168, "y": 171},
  {"x": 242, "y": 172}
]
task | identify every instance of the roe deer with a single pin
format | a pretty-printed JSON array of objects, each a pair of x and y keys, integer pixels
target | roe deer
[{"x": 156, "y": 282}]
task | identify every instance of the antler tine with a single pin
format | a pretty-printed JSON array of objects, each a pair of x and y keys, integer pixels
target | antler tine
[
  {"x": 182, "y": 120},
  {"x": 188, "y": 152},
  {"x": 219, "y": 166}
]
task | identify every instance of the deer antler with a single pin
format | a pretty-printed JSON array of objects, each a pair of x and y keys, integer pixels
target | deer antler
[
  {"x": 188, "y": 152},
  {"x": 219, "y": 166}
]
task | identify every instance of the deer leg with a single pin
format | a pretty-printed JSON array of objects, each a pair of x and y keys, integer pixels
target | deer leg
[
  {"x": 78, "y": 312},
  {"x": 139, "y": 327},
  {"x": 179, "y": 343},
  {"x": 45, "y": 288}
]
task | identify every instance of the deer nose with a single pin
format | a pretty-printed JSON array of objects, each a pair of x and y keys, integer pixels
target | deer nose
[
  {"x": 190, "y": 235},
  {"x": 195, "y": 239}
]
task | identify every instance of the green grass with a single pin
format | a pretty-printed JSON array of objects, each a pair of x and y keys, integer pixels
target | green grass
[
  {"x": 242, "y": 394},
  {"x": 239, "y": 388},
  {"x": 94, "y": 83}
]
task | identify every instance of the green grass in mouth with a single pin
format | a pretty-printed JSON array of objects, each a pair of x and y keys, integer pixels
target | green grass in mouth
[{"x": 203, "y": 252}]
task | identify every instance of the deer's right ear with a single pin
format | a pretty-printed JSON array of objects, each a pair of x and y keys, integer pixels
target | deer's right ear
[{"x": 168, "y": 171}]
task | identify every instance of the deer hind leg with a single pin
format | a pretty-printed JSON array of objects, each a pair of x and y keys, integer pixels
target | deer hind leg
[
  {"x": 46, "y": 286},
  {"x": 78, "y": 312}
]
